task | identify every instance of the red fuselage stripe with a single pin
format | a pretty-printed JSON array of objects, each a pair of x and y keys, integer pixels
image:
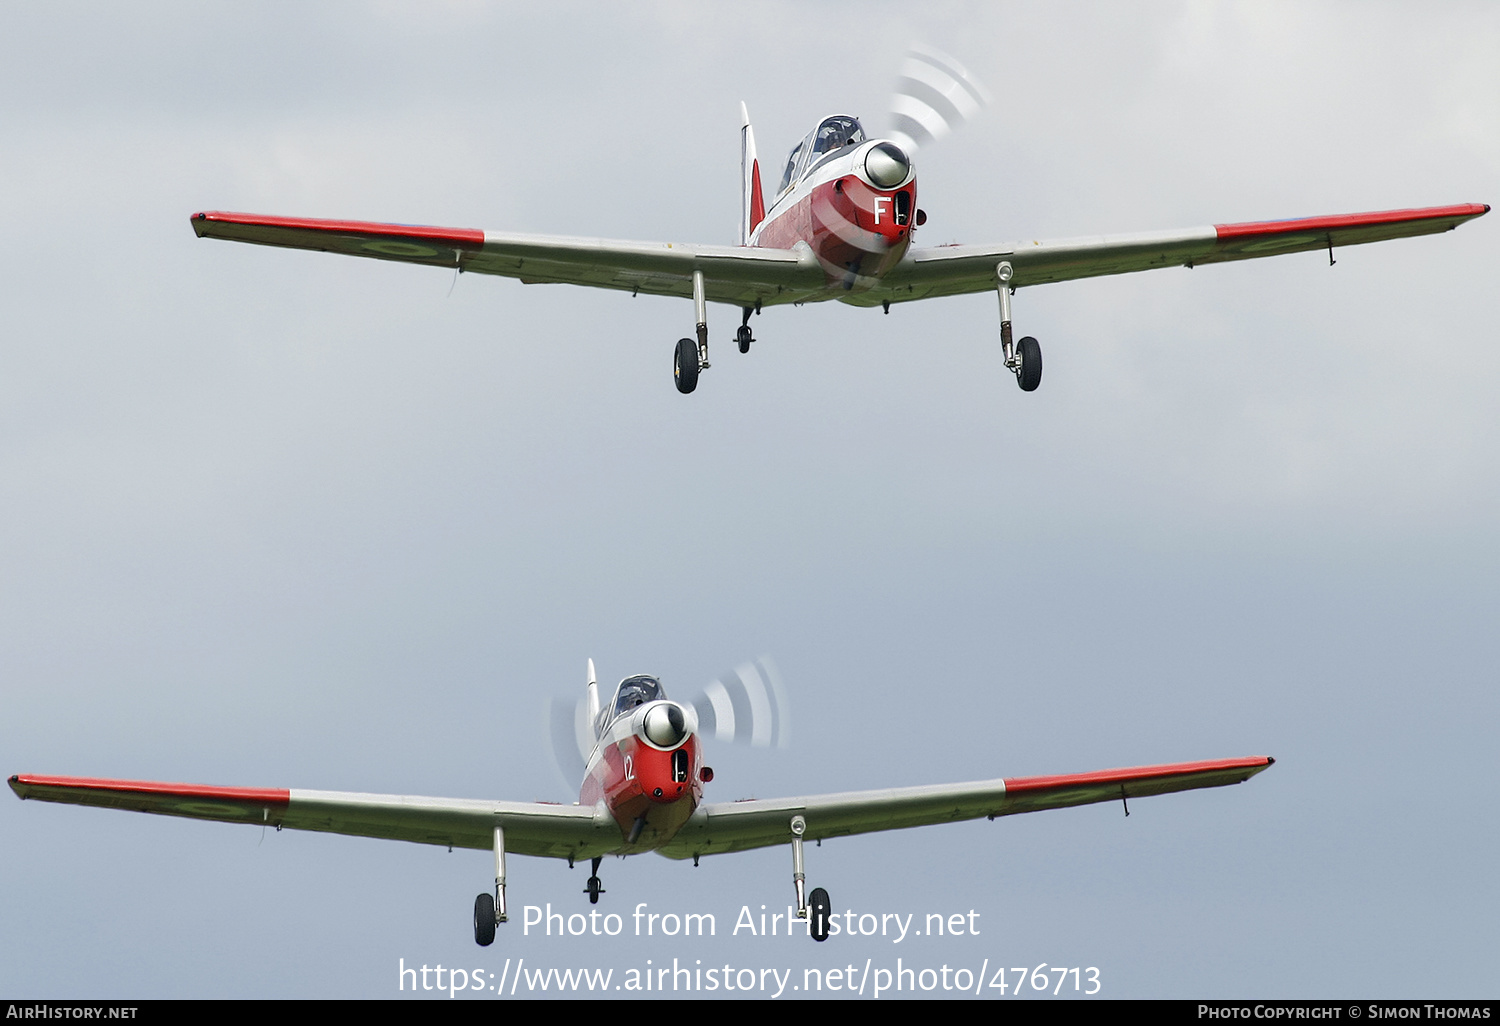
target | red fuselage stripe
[
  {"x": 462, "y": 237},
  {"x": 1020, "y": 785},
  {"x": 258, "y": 795},
  {"x": 1249, "y": 229}
]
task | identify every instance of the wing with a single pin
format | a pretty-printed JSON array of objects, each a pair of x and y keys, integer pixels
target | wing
[
  {"x": 531, "y": 828},
  {"x": 954, "y": 270},
  {"x": 732, "y": 274},
  {"x": 736, "y": 826}
]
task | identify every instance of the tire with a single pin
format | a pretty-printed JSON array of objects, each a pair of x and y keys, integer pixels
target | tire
[
  {"x": 1030, "y": 374},
  {"x": 819, "y": 909},
  {"x": 744, "y": 337},
  {"x": 685, "y": 365},
  {"x": 484, "y": 920},
  {"x": 594, "y": 890}
]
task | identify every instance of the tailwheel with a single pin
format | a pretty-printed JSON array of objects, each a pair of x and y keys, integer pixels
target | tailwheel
[
  {"x": 1029, "y": 369},
  {"x": 744, "y": 337},
  {"x": 484, "y": 920},
  {"x": 685, "y": 365},
  {"x": 595, "y": 886},
  {"x": 820, "y": 909}
]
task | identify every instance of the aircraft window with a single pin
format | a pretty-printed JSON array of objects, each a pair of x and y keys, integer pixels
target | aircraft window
[
  {"x": 833, "y": 134},
  {"x": 836, "y": 133},
  {"x": 636, "y": 691},
  {"x": 791, "y": 166}
]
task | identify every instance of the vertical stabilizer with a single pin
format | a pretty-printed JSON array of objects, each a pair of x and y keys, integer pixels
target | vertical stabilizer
[
  {"x": 593, "y": 698},
  {"x": 752, "y": 200}
]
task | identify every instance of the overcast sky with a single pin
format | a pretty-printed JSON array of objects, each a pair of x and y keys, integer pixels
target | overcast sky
[{"x": 285, "y": 519}]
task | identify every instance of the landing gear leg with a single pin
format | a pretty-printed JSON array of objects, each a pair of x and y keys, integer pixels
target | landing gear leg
[
  {"x": 799, "y": 878},
  {"x": 744, "y": 336},
  {"x": 489, "y": 910},
  {"x": 1024, "y": 359},
  {"x": 817, "y": 903},
  {"x": 700, "y": 310},
  {"x": 595, "y": 886},
  {"x": 690, "y": 358}
]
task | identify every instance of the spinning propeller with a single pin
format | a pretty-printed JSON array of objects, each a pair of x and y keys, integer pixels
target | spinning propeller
[
  {"x": 747, "y": 705},
  {"x": 934, "y": 95}
]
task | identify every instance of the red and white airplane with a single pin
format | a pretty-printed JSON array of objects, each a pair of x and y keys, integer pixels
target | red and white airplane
[
  {"x": 643, "y": 791},
  {"x": 839, "y": 225}
]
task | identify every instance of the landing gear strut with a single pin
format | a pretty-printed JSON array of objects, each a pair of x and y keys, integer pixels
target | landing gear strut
[
  {"x": 490, "y": 909},
  {"x": 1023, "y": 358},
  {"x": 816, "y": 903},
  {"x": 595, "y": 886},
  {"x": 689, "y": 359}
]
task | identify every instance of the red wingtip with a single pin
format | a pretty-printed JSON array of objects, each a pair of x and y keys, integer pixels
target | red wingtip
[
  {"x": 1136, "y": 774},
  {"x": 258, "y": 795},
  {"x": 462, "y": 238},
  {"x": 1460, "y": 211}
]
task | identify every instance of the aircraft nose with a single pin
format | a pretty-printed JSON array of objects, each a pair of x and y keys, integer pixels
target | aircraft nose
[
  {"x": 887, "y": 165},
  {"x": 666, "y": 776},
  {"x": 665, "y": 725}
]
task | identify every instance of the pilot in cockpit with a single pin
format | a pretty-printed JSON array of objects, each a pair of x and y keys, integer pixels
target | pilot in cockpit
[
  {"x": 636, "y": 691},
  {"x": 837, "y": 132}
]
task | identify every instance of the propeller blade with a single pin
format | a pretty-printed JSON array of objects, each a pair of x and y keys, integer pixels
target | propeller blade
[
  {"x": 747, "y": 704},
  {"x": 572, "y": 738},
  {"x": 934, "y": 95}
]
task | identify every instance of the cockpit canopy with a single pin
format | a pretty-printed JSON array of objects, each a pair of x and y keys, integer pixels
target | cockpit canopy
[
  {"x": 835, "y": 133},
  {"x": 634, "y": 691},
  {"x": 831, "y": 135}
]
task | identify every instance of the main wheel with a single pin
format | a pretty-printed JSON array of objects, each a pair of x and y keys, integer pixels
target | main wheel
[
  {"x": 1030, "y": 373},
  {"x": 821, "y": 910},
  {"x": 594, "y": 889},
  {"x": 685, "y": 365},
  {"x": 744, "y": 337},
  {"x": 484, "y": 920}
]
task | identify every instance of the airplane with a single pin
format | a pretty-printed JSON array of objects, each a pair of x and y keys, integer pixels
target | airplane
[
  {"x": 839, "y": 226},
  {"x": 643, "y": 791}
]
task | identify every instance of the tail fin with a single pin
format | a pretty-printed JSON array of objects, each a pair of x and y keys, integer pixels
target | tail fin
[
  {"x": 752, "y": 200},
  {"x": 593, "y": 701}
]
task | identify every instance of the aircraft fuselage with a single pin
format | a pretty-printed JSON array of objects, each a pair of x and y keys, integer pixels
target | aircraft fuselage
[
  {"x": 650, "y": 785},
  {"x": 854, "y": 206}
]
